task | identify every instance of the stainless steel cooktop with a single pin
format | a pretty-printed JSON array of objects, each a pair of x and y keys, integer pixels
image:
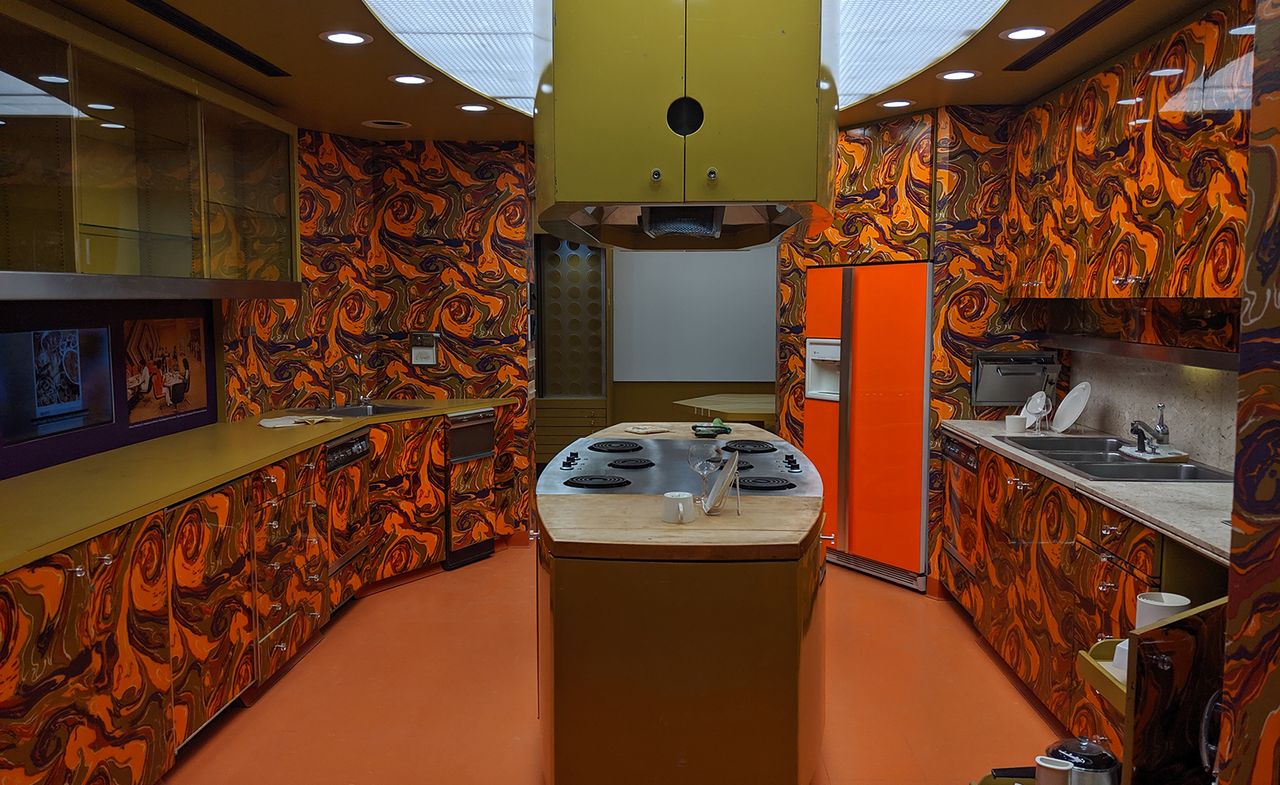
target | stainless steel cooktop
[{"x": 656, "y": 466}]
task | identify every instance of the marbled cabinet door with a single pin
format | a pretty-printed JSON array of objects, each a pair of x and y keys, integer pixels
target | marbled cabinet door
[
  {"x": 211, "y": 633},
  {"x": 472, "y": 515}
]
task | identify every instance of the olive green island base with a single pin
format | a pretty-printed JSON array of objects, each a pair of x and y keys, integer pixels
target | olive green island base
[{"x": 661, "y": 665}]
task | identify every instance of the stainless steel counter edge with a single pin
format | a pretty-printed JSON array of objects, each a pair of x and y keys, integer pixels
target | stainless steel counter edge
[
  {"x": 1194, "y": 511},
  {"x": 18, "y": 554}
]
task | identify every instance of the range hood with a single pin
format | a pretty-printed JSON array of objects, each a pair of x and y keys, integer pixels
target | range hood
[{"x": 685, "y": 124}]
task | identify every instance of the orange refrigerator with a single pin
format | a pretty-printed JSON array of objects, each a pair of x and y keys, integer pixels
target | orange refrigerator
[{"x": 866, "y": 413}]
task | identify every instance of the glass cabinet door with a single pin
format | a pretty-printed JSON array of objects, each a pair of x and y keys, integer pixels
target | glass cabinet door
[
  {"x": 37, "y": 232},
  {"x": 137, "y": 173},
  {"x": 248, "y": 173}
]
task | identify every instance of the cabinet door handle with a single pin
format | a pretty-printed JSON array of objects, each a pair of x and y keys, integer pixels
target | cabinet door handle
[
  {"x": 656, "y": 175},
  {"x": 313, "y": 504},
  {"x": 78, "y": 572},
  {"x": 106, "y": 559},
  {"x": 313, "y": 541},
  {"x": 276, "y": 607},
  {"x": 827, "y": 537},
  {"x": 274, "y": 480},
  {"x": 1107, "y": 586},
  {"x": 1118, "y": 281},
  {"x": 1102, "y": 636},
  {"x": 308, "y": 466},
  {"x": 280, "y": 647},
  {"x": 712, "y": 174},
  {"x": 313, "y": 614},
  {"x": 313, "y": 579},
  {"x": 1110, "y": 531},
  {"x": 275, "y": 565},
  {"x": 273, "y": 524}
]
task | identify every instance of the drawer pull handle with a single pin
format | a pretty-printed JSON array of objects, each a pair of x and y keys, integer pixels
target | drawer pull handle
[
  {"x": 308, "y": 466},
  {"x": 1107, "y": 586},
  {"x": 1163, "y": 661},
  {"x": 313, "y": 579},
  {"x": 79, "y": 572},
  {"x": 314, "y": 614},
  {"x": 273, "y": 503},
  {"x": 106, "y": 559},
  {"x": 280, "y": 647},
  {"x": 274, "y": 480},
  {"x": 313, "y": 541},
  {"x": 1102, "y": 636},
  {"x": 827, "y": 537},
  {"x": 275, "y": 565},
  {"x": 313, "y": 504},
  {"x": 1018, "y": 484},
  {"x": 276, "y": 607},
  {"x": 273, "y": 524},
  {"x": 1110, "y": 531}
]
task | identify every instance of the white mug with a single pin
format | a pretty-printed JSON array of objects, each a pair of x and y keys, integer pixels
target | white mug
[
  {"x": 1051, "y": 771},
  {"x": 1015, "y": 423},
  {"x": 677, "y": 507},
  {"x": 1156, "y": 606}
]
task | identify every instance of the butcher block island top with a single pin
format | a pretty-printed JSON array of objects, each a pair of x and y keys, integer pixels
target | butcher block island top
[{"x": 630, "y": 526}]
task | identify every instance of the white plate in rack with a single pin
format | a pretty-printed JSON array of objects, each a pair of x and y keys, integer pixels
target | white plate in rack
[{"x": 1071, "y": 407}]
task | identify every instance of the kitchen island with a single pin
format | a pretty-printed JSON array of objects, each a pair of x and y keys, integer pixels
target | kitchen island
[{"x": 679, "y": 653}]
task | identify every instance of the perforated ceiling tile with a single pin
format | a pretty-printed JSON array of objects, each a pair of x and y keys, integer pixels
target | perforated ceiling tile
[{"x": 488, "y": 44}]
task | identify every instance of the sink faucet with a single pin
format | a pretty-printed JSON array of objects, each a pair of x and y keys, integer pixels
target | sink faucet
[
  {"x": 333, "y": 397},
  {"x": 1141, "y": 431},
  {"x": 1162, "y": 430},
  {"x": 365, "y": 396}
]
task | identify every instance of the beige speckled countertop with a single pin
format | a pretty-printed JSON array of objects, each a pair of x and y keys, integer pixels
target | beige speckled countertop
[
  {"x": 1189, "y": 512},
  {"x": 51, "y": 509}
]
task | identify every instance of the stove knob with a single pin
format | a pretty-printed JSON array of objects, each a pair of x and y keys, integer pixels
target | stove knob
[
  {"x": 573, "y": 455},
  {"x": 566, "y": 465}
]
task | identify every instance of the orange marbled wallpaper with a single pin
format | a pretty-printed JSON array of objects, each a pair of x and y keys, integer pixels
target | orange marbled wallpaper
[{"x": 400, "y": 237}]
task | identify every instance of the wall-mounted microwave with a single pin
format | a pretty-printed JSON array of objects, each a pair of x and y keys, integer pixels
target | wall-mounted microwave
[{"x": 822, "y": 369}]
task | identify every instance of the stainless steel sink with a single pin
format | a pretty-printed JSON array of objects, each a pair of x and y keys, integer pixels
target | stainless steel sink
[
  {"x": 1144, "y": 472},
  {"x": 1099, "y": 458},
  {"x": 1066, "y": 443},
  {"x": 359, "y": 410}
]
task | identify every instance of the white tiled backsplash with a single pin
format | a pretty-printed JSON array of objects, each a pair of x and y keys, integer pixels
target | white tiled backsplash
[{"x": 1200, "y": 403}]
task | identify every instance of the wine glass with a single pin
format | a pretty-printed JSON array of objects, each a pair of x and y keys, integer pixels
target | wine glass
[
  {"x": 1039, "y": 409},
  {"x": 704, "y": 458}
]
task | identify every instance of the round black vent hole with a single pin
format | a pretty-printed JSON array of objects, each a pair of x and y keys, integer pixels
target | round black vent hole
[{"x": 684, "y": 116}]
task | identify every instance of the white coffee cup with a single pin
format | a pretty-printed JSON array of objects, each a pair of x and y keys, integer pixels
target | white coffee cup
[
  {"x": 1051, "y": 771},
  {"x": 1015, "y": 423},
  {"x": 678, "y": 507},
  {"x": 1156, "y": 606}
]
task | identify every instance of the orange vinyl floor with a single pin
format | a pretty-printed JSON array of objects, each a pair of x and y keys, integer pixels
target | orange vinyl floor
[{"x": 432, "y": 681}]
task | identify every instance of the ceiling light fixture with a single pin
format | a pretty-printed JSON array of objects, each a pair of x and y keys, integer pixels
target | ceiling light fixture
[
  {"x": 1129, "y": 101},
  {"x": 898, "y": 104},
  {"x": 1025, "y": 33},
  {"x": 386, "y": 124},
  {"x": 100, "y": 107},
  {"x": 1167, "y": 71},
  {"x": 958, "y": 76},
  {"x": 1248, "y": 29},
  {"x": 53, "y": 79},
  {"x": 112, "y": 126},
  {"x": 412, "y": 79},
  {"x": 474, "y": 107},
  {"x": 346, "y": 37}
]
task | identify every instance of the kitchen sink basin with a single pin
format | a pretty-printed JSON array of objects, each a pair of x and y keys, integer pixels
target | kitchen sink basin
[
  {"x": 1066, "y": 443},
  {"x": 1144, "y": 472},
  {"x": 359, "y": 410},
  {"x": 1085, "y": 457}
]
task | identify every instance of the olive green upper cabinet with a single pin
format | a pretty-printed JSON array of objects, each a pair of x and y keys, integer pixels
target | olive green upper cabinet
[
  {"x": 250, "y": 208},
  {"x": 35, "y": 152},
  {"x": 762, "y": 115},
  {"x": 137, "y": 170}
]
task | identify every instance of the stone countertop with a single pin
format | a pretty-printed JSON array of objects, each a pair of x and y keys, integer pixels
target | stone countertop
[
  {"x": 630, "y": 526},
  {"x": 1189, "y": 512},
  {"x": 51, "y": 509}
]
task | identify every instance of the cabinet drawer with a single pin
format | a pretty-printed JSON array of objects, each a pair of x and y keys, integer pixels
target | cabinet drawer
[
  {"x": 960, "y": 582},
  {"x": 291, "y": 475},
  {"x": 275, "y": 576},
  {"x": 1132, "y": 542},
  {"x": 1108, "y": 589},
  {"x": 276, "y": 648}
]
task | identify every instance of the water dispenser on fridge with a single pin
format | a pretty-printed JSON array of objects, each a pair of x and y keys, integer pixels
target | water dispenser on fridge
[{"x": 822, "y": 369}]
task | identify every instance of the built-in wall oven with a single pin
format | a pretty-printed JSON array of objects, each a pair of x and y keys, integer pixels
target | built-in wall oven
[{"x": 471, "y": 497}]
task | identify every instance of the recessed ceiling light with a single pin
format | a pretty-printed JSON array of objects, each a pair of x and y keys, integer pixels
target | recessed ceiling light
[
  {"x": 346, "y": 37},
  {"x": 899, "y": 104},
  {"x": 113, "y": 126},
  {"x": 1248, "y": 29},
  {"x": 414, "y": 79},
  {"x": 53, "y": 79},
  {"x": 1025, "y": 33},
  {"x": 1129, "y": 101},
  {"x": 474, "y": 107},
  {"x": 100, "y": 107},
  {"x": 958, "y": 76},
  {"x": 386, "y": 124},
  {"x": 1166, "y": 72},
  {"x": 2, "y": 122}
]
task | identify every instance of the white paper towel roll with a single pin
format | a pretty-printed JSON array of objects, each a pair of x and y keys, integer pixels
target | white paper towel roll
[{"x": 1156, "y": 606}]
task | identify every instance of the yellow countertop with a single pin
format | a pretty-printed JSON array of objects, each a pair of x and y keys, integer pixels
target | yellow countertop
[
  {"x": 630, "y": 526},
  {"x": 54, "y": 508}
]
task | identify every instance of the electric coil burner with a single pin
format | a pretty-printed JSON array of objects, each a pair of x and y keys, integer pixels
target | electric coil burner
[
  {"x": 618, "y": 445},
  {"x": 765, "y": 484},
  {"x": 749, "y": 446},
  {"x": 631, "y": 463},
  {"x": 597, "y": 481}
]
